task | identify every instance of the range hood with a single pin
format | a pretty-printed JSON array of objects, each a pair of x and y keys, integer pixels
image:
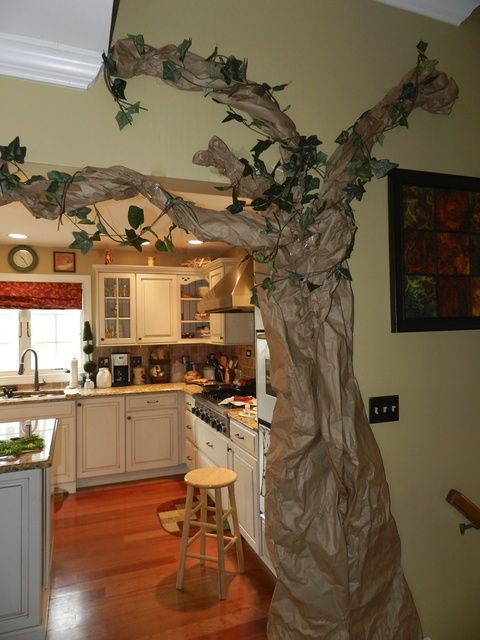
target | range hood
[{"x": 232, "y": 293}]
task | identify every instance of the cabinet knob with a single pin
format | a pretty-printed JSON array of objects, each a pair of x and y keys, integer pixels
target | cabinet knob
[
  {"x": 237, "y": 435},
  {"x": 129, "y": 417},
  {"x": 79, "y": 404},
  {"x": 139, "y": 337},
  {"x": 187, "y": 426},
  {"x": 209, "y": 444},
  {"x": 102, "y": 339},
  {"x": 189, "y": 458}
]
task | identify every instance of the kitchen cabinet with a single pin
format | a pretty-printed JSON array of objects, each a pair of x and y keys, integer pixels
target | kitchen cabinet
[
  {"x": 116, "y": 308},
  {"x": 190, "y": 433},
  {"x": 244, "y": 461},
  {"x": 100, "y": 436},
  {"x": 157, "y": 308},
  {"x": 229, "y": 328},
  {"x": 151, "y": 431},
  {"x": 21, "y": 506},
  {"x": 64, "y": 458},
  {"x": 194, "y": 326}
]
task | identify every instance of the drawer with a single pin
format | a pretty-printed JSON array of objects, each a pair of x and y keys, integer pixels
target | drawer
[
  {"x": 243, "y": 437},
  {"x": 45, "y": 409},
  {"x": 190, "y": 427},
  {"x": 148, "y": 401},
  {"x": 190, "y": 455},
  {"x": 212, "y": 444},
  {"x": 189, "y": 402}
]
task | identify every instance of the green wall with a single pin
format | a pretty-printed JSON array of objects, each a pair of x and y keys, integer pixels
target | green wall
[{"x": 341, "y": 56}]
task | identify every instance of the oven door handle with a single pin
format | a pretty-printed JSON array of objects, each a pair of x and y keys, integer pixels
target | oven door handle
[
  {"x": 265, "y": 423},
  {"x": 261, "y": 335}
]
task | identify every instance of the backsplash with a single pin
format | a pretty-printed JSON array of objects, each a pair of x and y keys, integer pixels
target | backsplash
[{"x": 197, "y": 353}]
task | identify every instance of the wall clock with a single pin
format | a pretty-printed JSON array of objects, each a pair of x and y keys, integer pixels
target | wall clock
[{"x": 22, "y": 258}]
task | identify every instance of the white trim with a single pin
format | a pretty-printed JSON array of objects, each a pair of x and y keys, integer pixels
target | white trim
[{"x": 450, "y": 11}]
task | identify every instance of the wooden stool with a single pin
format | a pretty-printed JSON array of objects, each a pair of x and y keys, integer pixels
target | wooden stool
[{"x": 210, "y": 478}]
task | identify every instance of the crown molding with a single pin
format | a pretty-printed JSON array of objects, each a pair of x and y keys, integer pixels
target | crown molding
[
  {"x": 450, "y": 11},
  {"x": 50, "y": 62}
]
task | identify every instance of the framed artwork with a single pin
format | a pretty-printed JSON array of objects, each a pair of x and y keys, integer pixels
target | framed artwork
[
  {"x": 434, "y": 227},
  {"x": 64, "y": 261}
]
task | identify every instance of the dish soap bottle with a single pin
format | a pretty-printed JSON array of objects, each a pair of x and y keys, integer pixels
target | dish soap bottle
[{"x": 104, "y": 378}]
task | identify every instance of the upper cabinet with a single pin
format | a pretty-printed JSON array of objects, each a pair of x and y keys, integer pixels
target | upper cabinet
[{"x": 158, "y": 305}]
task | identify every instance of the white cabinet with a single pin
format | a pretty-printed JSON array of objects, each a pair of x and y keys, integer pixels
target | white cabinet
[
  {"x": 21, "y": 553},
  {"x": 190, "y": 433},
  {"x": 100, "y": 436},
  {"x": 229, "y": 328},
  {"x": 63, "y": 466},
  {"x": 116, "y": 308},
  {"x": 245, "y": 463},
  {"x": 151, "y": 431},
  {"x": 194, "y": 326},
  {"x": 157, "y": 308}
]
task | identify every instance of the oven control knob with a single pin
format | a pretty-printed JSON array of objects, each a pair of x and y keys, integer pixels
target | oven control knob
[
  {"x": 208, "y": 418},
  {"x": 194, "y": 411},
  {"x": 216, "y": 424}
]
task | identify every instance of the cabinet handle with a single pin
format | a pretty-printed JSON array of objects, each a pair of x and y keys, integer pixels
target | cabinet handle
[
  {"x": 152, "y": 401},
  {"x": 189, "y": 458},
  {"x": 237, "y": 435},
  {"x": 187, "y": 426},
  {"x": 209, "y": 444}
]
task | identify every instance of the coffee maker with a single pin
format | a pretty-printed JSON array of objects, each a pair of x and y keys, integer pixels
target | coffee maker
[{"x": 120, "y": 369}]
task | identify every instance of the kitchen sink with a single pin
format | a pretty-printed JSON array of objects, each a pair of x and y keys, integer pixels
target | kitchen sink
[{"x": 44, "y": 393}]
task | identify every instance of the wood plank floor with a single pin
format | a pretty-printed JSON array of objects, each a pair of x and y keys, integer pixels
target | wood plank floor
[{"x": 114, "y": 571}]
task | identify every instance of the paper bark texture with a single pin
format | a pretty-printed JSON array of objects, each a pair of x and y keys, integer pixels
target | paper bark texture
[{"x": 334, "y": 542}]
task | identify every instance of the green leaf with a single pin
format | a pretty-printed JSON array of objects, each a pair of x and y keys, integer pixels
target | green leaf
[
  {"x": 380, "y": 168},
  {"x": 234, "y": 89},
  {"x": 311, "y": 286},
  {"x": 429, "y": 65},
  {"x": 409, "y": 91},
  {"x": 422, "y": 46},
  {"x": 139, "y": 42},
  {"x": 236, "y": 206},
  {"x": 262, "y": 89},
  {"x": 123, "y": 118},
  {"x": 321, "y": 158},
  {"x": 160, "y": 245},
  {"x": 82, "y": 241},
  {"x": 231, "y": 115},
  {"x": 58, "y": 176},
  {"x": 306, "y": 218},
  {"x": 183, "y": 48},
  {"x": 134, "y": 108},
  {"x": 260, "y": 204},
  {"x": 52, "y": 187},
  {"x": 247, "y": 168},
  {"x": 254, "y": 299},
  {"x": 171, "y": 73},
  {"x": 295, "y": 277},
  {"x": 260, "y": 147},
  {"x": 342, "y": 137},
  {"x": 135, "y": 216},
  {"x": 234, "y": 70},
  {"x": 110, "y": 64},
  {"x": 268, "y": 284},
  {"x": 118, "y": 88},
  {"x": 13, "y": 152},
  {"x": 341, "y": 273},
  {"x": 269, "y": 228},
  {"x": 280, "y": 87}
]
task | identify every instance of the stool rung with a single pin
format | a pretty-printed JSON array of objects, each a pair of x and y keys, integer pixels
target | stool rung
[
  {"x": 199, "y": 523},
  {"x": 200, "y": 556}
]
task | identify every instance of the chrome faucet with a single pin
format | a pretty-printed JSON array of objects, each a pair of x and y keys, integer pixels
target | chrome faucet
[{"x": 36, "y": 382}]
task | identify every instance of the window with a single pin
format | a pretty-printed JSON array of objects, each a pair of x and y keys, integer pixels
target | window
[{"x": 54, "y": 334}]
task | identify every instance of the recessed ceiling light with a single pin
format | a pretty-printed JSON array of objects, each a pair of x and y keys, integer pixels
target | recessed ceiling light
[
  {"x": 18, "y": 236},
  {"x": 195, "y": 242}
]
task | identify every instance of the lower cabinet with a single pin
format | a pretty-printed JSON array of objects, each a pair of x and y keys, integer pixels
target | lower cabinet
[
  {"x": 100, "y": 436},
  {"x": 151, "y": 432},
  {"x": 244, "y": 462}
]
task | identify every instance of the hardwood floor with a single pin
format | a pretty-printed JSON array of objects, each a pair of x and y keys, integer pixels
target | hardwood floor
[{"x": 114, "y": 571}]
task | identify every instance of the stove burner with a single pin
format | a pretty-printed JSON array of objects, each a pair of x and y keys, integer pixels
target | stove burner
[{"x": 208, "y": 410}]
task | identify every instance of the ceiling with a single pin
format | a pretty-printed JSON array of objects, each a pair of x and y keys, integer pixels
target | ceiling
[{"x": 450, "y": 11}]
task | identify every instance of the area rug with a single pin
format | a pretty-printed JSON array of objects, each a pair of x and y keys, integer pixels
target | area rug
[{"x": 172, "y": 514}]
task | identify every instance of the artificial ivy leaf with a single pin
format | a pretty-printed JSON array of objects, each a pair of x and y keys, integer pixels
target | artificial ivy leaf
[
  {"x": 380, "y": 168},
  {"x": 101, "y": 229},
  {"x": 52, "y": 187},
  {"x": 355, "y": 190},
  {"x": 236, "y": 206},
  {"x": 295, "y": 277},
  {"x": 234, "y": 70},
  {"x": 134, "y": 108},
  {"x": 13, "y": 152},
  {"x": 110, "y": 64},
  {"x": 260, "y": 147},
  {"x": 259, "y": 256},
  {"x": 269, "y": 228},
  {"x": 254, "y": 299},
  {"x": 311, "y": 286},
  {"x": 362, "y": 170},
  {"x": 280, "y": 87},
  {"x": 59, "y": 176},
  {"x": 422, "y": 46},
  {"x": 135, "y": 216},
  {"x": 183, "y": 48},
  {"x": 306, "y": 218},
  {"x": 268, "y": 284},
  {"x": 212, "y": 55},
  {"x": 35, "y": 178},
  {"x": 96, "y": 237},
  {"x": 311, "y": 182},
  {"x": 82, "y": 241},
  {"x": 342, "y": 137},
  {"x": 118, "y": 88},
  {"x": 247, "y": 168},
  {"x": 123, "y": 118},
  {"x": 321, "y": 158},
  {"x": 381, "y": 139},
  {"x": 231, "y": 115},
  {"x": 139, "y": 42},
  {"x": 429, "y": 65},
  {"x": 171, "y": 73},
  {"x": 260, "y": 204},
  {"x": 9, "y": 181},
  {"x": 257, "y": 123},
  {"x": 274, "y": 190},
  {"x": 262, "y": 89},
  {"x": 341, "y": 273},
  {"x": 207, "y": 91},
  {"x": 409, "y": 91},
  {"x": 234, "y": 89},
  {"x": 357, "y": 140},
  {"x": 160, "y": 245}
]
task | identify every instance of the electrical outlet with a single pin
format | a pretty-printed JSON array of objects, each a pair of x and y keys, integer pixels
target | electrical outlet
[
  {"x": 383, "y": 409},
  {"x": 248, "y": 353}
]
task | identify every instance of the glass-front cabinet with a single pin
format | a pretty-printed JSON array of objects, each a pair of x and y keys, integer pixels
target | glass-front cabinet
[
  {"x": 195, "y": 326},
  {"x": 117, "y": 308}
]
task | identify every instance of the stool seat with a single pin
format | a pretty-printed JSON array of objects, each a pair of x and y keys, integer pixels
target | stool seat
[
  {"x": 210, "y": 477},
  {"x": 216, "y": 479}
]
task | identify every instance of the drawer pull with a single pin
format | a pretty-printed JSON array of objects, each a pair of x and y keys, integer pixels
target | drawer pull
[
  {"x": 237, "y": 435},
  {"x": 189, "y": 458},
  {"x": 187, "y": 426},
  {"x": 129, "y": 417},
  {"x": 209, "y": 444},
  {"x": 152, "y": 401}
]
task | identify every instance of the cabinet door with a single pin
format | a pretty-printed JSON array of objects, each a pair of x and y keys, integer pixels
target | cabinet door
[
  {"x": 152, "y": 439},
  {"x": 100, "y": 437},
  {"x": 194, "y": 326},
  {"x": 217, "y": 323},
  {"x": 63, "y": 465},
  {"x": 20, "y": 550},
  {"x": 246, "y": 495},
  {"x": 116, "y": 309},
  {"x": 157, "y": 308}
]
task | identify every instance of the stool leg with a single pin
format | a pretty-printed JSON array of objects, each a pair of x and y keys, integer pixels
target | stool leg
[
  {"x": 203, "y": 518},
  {"x": 185, "y": 535},
  {"x": 220, "y": 543},
  {"x": 236, "y": 528}
]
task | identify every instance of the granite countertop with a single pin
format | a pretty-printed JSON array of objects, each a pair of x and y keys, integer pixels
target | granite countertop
[
  {"x": 250, "y": 422},
  {"x": 45, "y": 428},
  {"x": 71, "y": 394}
]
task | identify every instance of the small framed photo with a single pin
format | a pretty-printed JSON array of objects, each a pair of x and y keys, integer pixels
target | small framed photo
[{"x": 64, "y": 261}]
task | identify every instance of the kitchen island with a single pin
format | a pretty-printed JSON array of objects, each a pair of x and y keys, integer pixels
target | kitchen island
[{"x": 25, "y": 533}]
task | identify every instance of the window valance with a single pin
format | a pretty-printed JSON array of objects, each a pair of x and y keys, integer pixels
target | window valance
[{"x": 40, "y": 295}]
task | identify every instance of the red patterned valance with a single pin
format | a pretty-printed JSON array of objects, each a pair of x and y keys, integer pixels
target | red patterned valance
[{"x": 40, "y": 295}]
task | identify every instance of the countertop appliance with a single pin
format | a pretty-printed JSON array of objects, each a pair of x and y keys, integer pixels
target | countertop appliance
[{"x": 120, "y": 369}]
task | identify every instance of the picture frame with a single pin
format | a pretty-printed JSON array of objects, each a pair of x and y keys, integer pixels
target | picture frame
[
  {"x": 434, "y": 238},
  {"x": 64, "y": 261}
]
